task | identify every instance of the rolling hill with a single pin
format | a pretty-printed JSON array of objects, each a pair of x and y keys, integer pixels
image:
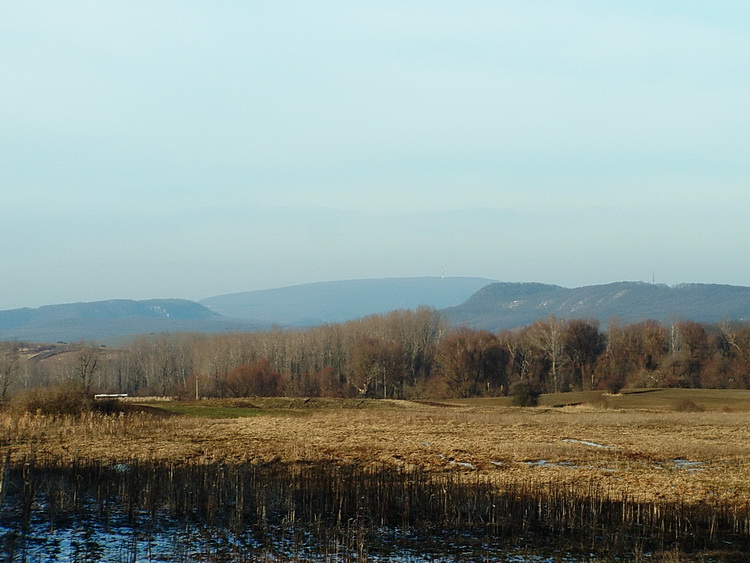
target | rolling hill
[
  {"x": 301, "y": 305},
  {"x": 329, "y": 302},
  {"x": 501, "y": 306},
  {"x": 100, "y": 320},
  {"x": 474, "y": 302}
]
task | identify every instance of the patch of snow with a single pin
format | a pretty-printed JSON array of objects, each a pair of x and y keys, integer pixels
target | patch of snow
[
  {"x": 160, "y": 310},
  {"x": 540, "y": 463},
  {"x": 587, "y": 443},
  {"x": 465, "y": 464},
  {"x": 687, "y": 465},
  {"x": 579, "y": 305}
]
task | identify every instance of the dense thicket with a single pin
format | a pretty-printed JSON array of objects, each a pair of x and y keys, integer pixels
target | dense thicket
[{"x": 411, "y": 353}]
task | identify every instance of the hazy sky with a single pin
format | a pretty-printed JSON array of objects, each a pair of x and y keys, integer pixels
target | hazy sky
[{"x": 192, "y": 148}]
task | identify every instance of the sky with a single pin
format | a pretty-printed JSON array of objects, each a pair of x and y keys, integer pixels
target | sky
[{"x": 186, "y": 149}]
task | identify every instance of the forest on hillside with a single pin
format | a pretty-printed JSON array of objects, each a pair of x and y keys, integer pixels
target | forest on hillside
[{"x": 402, "y": 354}]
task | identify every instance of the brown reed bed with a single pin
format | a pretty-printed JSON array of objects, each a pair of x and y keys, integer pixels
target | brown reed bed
[
  {"x": 668, "y": 473},
  {"x": 359, "y": 512},
  {"x": 658, "y": 456}
]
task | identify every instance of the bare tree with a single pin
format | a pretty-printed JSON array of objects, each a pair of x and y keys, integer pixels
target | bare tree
[
  {"x": 473, "y": 363},
  {"x": 547, "y": 335},
  {"x": 87, "y": 365},
  {"x": 378, "y": 367},
  {"x": 254, "y": 379},
  {"x": 9, "y": 367},
  {"x": 582, "y": 345}
]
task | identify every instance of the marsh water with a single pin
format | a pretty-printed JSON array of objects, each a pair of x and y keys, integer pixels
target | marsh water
[{"x": 140, "y": 511}]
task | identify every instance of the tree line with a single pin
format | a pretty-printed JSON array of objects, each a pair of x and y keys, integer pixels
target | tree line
[{"x": 402, "y": 354}]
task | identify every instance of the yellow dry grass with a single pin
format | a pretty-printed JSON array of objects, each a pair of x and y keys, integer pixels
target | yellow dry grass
[{"x": 689, "y": 457}]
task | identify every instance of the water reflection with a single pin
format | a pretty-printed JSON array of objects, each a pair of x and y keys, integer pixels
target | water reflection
[{"x": 93, "y": 511}]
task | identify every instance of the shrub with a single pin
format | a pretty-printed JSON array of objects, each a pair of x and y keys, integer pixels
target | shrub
[
  {"x": 108, "y": 406},
  {"x": 64, "y": 399},
  {"x": 256, "y": 378},
  {"x": 599, "y": 402},
  {"x": 524, "y": 395},
  {"x": 613, "y": 383},
  {"x": 688, "y": 405}
]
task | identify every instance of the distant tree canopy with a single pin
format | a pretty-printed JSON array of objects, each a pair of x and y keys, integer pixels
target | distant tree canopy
[{"x": 402, "y": 354}]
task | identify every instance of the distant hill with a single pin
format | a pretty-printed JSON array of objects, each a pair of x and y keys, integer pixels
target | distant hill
[
  {"x": 475, "y": 302},
  {"x": 328, "y": 302},
  {"x": 301, "y": 305},
  {"x": 501, "y": 306},
  {"x": 100, "y": 320}
]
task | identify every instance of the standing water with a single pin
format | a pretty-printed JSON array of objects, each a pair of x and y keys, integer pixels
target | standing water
[{"x": 144, "y": 511}]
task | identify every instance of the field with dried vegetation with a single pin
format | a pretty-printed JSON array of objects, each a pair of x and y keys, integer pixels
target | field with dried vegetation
[
  {"x": 672, "y": 448},
  {"x": 688, "y": 445}
]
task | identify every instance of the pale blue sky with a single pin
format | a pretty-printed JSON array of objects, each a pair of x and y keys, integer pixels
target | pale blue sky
[{"x": 193, "y": 148}]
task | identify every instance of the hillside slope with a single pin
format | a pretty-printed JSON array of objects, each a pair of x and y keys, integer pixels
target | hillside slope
[
  {"x": 474, "y": 302},
  {"x": 337, "y": 301},
  {"x": 105, "y": 319},
  {"x": 501, "y": 306}
]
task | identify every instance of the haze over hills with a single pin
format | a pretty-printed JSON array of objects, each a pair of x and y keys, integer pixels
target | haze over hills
[
  {"x": 509, "y": 305},
  {"x": 300, "y": 305},
  {"x": 474, "y": 302},
  {"x": 329, "y": 302},
  {"x": 100, "y": 320}
]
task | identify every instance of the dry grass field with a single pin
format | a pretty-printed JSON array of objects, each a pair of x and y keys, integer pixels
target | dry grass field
[{"x": 640, "y": 445}]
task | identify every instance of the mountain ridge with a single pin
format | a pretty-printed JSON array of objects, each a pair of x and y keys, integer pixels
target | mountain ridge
[
  {"x": 337, "y": 301},
  {"x": 476, "y": 303},
  {"x": 96, "y": 320},
  {"x": 506, "y": 305},
  {"x": 291, "y": 306}
]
